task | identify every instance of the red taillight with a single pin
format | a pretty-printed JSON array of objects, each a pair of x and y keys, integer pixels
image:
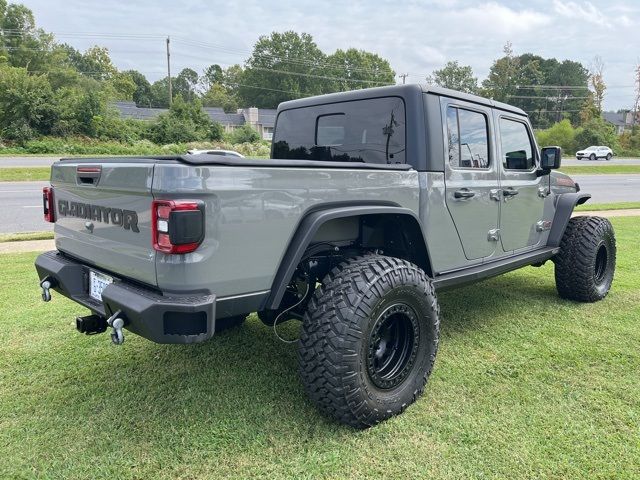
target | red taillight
[
  {"x": 47, "y": 203},
  {"x": 177, "y": 225}
]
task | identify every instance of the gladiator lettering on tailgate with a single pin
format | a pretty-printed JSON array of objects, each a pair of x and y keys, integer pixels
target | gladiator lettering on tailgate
[{"x": 127, "y": 219}]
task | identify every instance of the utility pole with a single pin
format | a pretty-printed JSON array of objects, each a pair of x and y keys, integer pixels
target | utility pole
[
  {"x": 169, "y": 71},
  {"x": 636, "y": 106},
  {"x": 404, "y": 77}
]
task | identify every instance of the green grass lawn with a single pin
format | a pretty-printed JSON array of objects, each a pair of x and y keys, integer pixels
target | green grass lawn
[
  {"x": 610, "y": 169},
  {"x": 19, "y": 237},
  {"x": 598, "y": 207},
  {"x": 24, "y": 174},
  {"x": 525, "y": 386}
]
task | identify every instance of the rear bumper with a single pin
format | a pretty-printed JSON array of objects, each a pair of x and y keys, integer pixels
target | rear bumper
[{"x": 161, "y": 318}]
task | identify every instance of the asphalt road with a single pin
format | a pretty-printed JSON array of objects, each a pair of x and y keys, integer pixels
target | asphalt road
[
  {"x": 21, "y": 207},
  {"x": 21, "y": 202},
  {"x": 6, "y": 162}
]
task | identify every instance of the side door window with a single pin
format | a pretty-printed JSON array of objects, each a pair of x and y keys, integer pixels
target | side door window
[
  {"x": 522, "y": 204},
  {"x": 467, "y": 138},
  {"x": 517, "y": 150}
]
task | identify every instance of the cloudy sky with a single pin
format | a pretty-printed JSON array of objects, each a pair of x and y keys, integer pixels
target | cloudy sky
[{"x": 415, "y": 36}]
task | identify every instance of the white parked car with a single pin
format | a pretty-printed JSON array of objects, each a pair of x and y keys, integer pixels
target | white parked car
[
  {"x": 593, "y": 153},
  {"x": 230, "y": 153}
]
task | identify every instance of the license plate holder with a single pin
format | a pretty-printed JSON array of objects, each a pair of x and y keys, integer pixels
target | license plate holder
[{"x": 97, "y": 283}]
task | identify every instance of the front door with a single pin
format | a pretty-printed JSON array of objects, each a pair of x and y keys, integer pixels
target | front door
[
  {"x": 471, "y": 177},
  {"x": 523, "y": 191}
]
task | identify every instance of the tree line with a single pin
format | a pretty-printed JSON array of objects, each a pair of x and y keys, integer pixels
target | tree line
[{"x": 48, "y": 88}]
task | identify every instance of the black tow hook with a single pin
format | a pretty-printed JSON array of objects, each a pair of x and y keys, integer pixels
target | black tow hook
[
  {"x": 91, "y": 324},
  {"x": 47, "y": 284}
]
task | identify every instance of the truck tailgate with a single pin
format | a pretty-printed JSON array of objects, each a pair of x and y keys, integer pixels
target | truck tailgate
[{"x": 103, "y": 215}]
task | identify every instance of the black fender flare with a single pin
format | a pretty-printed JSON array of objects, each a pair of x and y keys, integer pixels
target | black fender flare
[
  {"x": 565, "y": 204},
  {"x": 305, "y": 232}
]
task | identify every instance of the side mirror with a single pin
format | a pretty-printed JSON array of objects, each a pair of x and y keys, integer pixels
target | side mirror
[{"x": 550, "y": 158}]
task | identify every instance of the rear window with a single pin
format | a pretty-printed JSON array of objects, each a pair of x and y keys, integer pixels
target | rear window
[{"x": 370, "y": 131}]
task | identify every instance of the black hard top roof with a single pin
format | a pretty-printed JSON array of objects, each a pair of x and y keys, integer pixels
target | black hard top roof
[{"x": 396, "y": 90}]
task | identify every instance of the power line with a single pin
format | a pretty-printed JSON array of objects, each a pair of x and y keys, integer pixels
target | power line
[
  {"x": 546, "y": 97},
  {"x": 319, "y": 64}
]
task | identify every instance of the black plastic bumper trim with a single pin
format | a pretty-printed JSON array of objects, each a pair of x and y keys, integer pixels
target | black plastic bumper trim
[{"x": 143, "y": 310}]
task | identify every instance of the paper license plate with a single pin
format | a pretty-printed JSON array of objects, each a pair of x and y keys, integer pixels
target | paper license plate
[{"x": 97, "y": 283}]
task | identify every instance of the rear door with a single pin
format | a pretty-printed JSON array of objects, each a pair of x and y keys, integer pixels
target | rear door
[
  {"x": 523, "y": 192},
  {"x": 103, "y": 216},
  {"x": 471, "y": 176}
]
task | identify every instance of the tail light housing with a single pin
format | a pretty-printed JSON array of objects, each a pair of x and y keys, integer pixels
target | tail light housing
[
  {"x": 48, "y": 205},
  {"x": 177, "y": 225}
]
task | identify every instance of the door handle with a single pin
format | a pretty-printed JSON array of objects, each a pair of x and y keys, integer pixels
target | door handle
[
  {"x": 464, "y": 193},
  {"x": 509, "y": 192}
]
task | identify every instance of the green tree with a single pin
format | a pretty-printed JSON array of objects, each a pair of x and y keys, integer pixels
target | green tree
[
  {"x": 185, "y": 122},
  {"x": 219, "y": 96},
  {"x": 160, "y": 93},
  {"x": 561, "y": 133},
  {"x": 213, "y": 74},
  {"x": 232, "y": 78},
  {"x": 596, "y": 82},
  {"x": 24, "y": 45},
  {"x": 547, "y": 89},
  {"x": 597, "y": 132},
  {"x": 501, "y": 82},
  {"x": 455, "y": 76},
  {"x": 120, "y": 87},
  {"x": 244, "y": 134},
  {"x": 142, "y": 93},
  {"x": 356, "y": 69},
  {"x": 282, "y": 66},
  {"x": 95, "y": 62},
  {"x": 185, "y": 84},
  {"x": 27, "y": 105}
]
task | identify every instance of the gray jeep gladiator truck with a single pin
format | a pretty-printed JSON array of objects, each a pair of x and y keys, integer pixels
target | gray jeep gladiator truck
[{"x": 372, "y": 201}]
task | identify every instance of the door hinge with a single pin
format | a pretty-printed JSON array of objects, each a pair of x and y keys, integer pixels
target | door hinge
[{"x": 493, "y": 235}]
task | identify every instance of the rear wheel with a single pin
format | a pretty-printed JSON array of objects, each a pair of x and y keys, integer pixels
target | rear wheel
[
  {"x": 585, "y": 266},
  {"x": 608, "y": 156},
  {"x": 369, "y": 339}
]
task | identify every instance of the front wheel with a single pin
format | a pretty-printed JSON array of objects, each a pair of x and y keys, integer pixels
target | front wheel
[
  {"x": 586, "y": 263},
  {"x": 369, "y": 339},
  {"x": 592, "y": 157}
]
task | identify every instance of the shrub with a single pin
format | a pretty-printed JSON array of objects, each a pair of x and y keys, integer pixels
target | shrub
[
  {"x": 597, "y": 132},
  {"x": 216, "y": 132},
  {"x": 185, "y": 122},
  {"x": 244, "y": 134},
  {"x": 111, "y": 127},
  {"x": 561, "y": 133}
]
